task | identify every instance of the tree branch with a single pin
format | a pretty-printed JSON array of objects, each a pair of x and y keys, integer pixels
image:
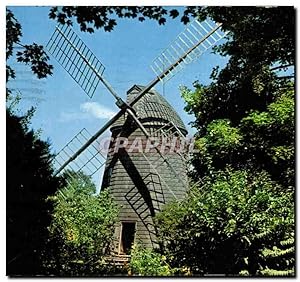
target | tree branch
[{"x": 281, "y": 67}]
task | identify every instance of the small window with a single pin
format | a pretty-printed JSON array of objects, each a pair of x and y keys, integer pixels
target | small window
[
  {"x": 109, "y": 174},
  {"x": 107, "y": 177},
  {"x": 127, "y": 237}
]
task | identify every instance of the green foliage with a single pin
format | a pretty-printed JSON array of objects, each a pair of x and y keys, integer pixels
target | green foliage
[
  {"x": 97, "y": 17},
  {"x": 38, "y": 58},
  {"x": 221, "y": 136},
  {"x": 32, "y": 54},
  {"x": 29, "y": 182},
  {"x": 220, "y": 224},
  {"x": 282, "y": 110},
  {"x": 270, "y": 137},
  {"x": 263, "y": 139},
  {"x": 280, "y": 258},
  {"x": 147, "y": 262},
  {"x": 259, "y": 38},
  {"x": 276, "y": 252},
  {"x": 279, "y": 113},
  {"x": 245, "y": 162},
  {"x": 81, "y": 229},
  {"x": 272, "y": 272}
]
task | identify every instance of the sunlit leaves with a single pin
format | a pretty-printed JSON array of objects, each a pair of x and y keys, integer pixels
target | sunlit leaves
[
  {"x": 147, "y": 262},
  {"x": 232, "y": 205},
  {"x": 282, "y": 153},
  {"x": 283, "y": 108},
  {"x": 82, "y": 226},
  {"x": 221, "y": 135}
]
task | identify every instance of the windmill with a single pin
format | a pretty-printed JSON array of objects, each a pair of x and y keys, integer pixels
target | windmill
[{"x": 141, "y": 181}]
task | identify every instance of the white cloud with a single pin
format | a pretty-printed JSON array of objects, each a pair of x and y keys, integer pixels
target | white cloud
[
  {"x": 96, "y": 110},
  {"x": 88, "y": 110},
  {"x": 71, "y": 116}
]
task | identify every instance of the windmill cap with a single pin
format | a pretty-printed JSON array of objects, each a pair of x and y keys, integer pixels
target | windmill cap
[{"x": 152, "y": 109}]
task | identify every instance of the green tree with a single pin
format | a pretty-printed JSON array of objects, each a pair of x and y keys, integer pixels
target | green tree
[
  {"x": 81, "y": 229},
  {"x": 29, "y": 182},
  {"x": 228, "y": 225},
  {"x": 245, "y": 141},
  {"x": 28, "y": 168},
  {"x": 260, "y": 140}
]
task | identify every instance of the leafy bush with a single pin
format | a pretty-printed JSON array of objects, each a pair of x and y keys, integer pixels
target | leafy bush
[
  {"x": 146, "y": 262},
  {"x": 81, "y": 230},
  {"x": 224, "y": 224}
]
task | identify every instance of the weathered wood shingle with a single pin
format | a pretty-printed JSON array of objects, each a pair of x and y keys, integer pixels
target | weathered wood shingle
[{"x": 142, "y": 183}]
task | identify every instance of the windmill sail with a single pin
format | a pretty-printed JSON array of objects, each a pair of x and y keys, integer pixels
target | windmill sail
[
  {"x": 186, "y": 52},
  {"x": 76, "y": 58},
  {"x": 89, "y": 162},
  {"x": 197, "y": 38}
]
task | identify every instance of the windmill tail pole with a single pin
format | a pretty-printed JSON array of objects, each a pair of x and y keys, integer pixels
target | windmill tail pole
[{"x": 135, "y": 100}]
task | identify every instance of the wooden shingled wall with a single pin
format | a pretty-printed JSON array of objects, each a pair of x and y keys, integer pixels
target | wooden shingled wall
[{"x": 142, "y": 182}]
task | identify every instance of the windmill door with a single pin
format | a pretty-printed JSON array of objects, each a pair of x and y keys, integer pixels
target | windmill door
[{"x": 127, "y": 236}]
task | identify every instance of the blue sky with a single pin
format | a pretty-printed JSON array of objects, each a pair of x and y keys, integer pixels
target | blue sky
[{"x": 63, "y": 108}]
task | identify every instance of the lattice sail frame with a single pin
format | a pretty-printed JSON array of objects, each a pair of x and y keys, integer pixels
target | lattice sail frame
[
  {"x": 207, "y": 31},
  {"x": 89, "y": 162},
  {"x": 76, "y": 58}
]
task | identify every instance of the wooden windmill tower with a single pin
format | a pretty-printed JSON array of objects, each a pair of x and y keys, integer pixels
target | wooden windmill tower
[{"x": 143, "y": 179}]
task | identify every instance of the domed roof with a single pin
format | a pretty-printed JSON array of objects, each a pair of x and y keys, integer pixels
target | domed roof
[{"x": 152, "y": 109}]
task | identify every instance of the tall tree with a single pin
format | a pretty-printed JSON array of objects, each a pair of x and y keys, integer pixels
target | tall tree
[
  {"x": 252, "y": 95},
  {"x": 29, "y": 178},
  {"x": 29, "y": 182},
  {"x": 246, "y": 159}
]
